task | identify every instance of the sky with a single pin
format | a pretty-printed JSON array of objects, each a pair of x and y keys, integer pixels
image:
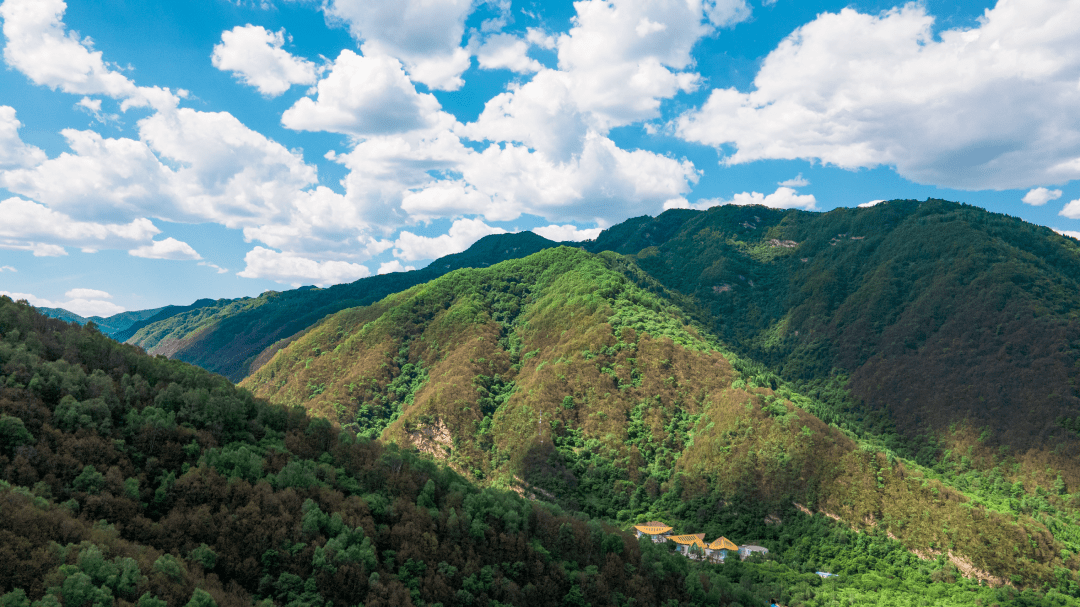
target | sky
[{"x": 154, "y": 153}]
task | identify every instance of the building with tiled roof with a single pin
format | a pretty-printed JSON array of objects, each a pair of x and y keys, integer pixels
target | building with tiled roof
[
  {"x": 656, "y": 530},
  {"x": 717, "y": 549},
  {"x": 686, "y": 543}
]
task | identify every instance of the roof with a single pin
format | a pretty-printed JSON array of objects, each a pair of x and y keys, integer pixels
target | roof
[
  {"x": 753, "y": 548},
  {"x": 696, "y": 539},
  {"x": 722, "y": 543},
  {"x": 653, "y": 528}
]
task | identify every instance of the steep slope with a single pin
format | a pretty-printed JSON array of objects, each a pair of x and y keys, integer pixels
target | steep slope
[
  {"x": 577, "y": 378},
  {"x": 228, "y": 336},
  {"x": 936, "y": 315},
  {"x": 127, "y": 479}
]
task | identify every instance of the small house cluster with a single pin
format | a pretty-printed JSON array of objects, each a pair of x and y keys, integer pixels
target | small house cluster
[{"x": 694, "y": 546}]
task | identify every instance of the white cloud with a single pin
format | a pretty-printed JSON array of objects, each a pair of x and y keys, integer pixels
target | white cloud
[
  {"x": 103, "y": 179},
  {"x": 424, "y": 34},
  {"x": 869, "y": 204},
  {"x": 365, "y": 96},
  {"x": 1040, "y": 196},
  {"x": 540, "y": 38},
  {"x": 13, "y": 152},
  {"x": 627, "y": 55},
  {"x": 39, "y": 47},
  {"x": 604, "y": 184},
  {"x": 220, "y": 270},
  {"x": 782, "y": 198},
  {"x": 506, "y": 51},
  {"x": 170, "y": 248},
  {"x": 255, "y": 56},
  {"x": 39, "y": 249},
  {"x": 391, "y": 180},
  {"x": 463, "y": 233},
  {"x": 541, "y": 114},
  {"x": 795, "y": 182},
  {"x": 296, "y": 270},
  {"x": 1069, "y": 233},
  {"x": 228, "y": 173},
  {"x": 32, "y": 226},
  {"x": 87, "y": 294},
  {"x": 90, "y": 303},
  {"x": 995, "y": 106},
  {"x": 394, "y": 266},
  {"x": 567, "y": 232},
  {"x": 7, "y": 269},
  {"x": 1071, "y": 210}
]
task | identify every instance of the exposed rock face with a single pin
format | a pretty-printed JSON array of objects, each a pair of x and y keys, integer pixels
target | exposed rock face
[{"x": 433, "y": 439}]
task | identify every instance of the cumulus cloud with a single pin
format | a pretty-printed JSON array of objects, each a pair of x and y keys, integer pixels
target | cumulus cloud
[
  {"x": 102, "y": 179},
  {"x": 507, "y": 51},
  {"x": 394, "y": 266},
  {"x": 13, "y": 152},
  {"x": 39, "y": 46},
  {"x": 795, "y": 182},
  {"x": 170, "y": 248},
  {"x": 7, "y": 269},
  {"x": 782, "y": 198},
  {"x": 32, "y": 226},
  {"x": 295, "y": 270},
  {"x": 858, "y": 90},
  {"x": 567, "y": 232},
  {"x": 869, "y": 204},
  {"x": 84, "y": 302},
  {"x": 1069, "y": 233},
  {"x": 463, "y": 233},
  {"x": 365, "y": 96},
  {"x": 1040, "y": 196},
  {"x": 624, "y": 57},
  {"x": 542, "y": 114},
  {"x": 603, "y": 184},
  {"x": 425, "y": 35},
  {"x": 256, "y": 57},
  {"x": 1071, "y": 210}
]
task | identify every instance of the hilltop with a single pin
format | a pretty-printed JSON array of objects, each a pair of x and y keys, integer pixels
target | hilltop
[{"x": 227, "y": 336}]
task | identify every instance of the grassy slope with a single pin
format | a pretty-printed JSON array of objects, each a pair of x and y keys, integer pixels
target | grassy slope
[
  {"x": 464, "y": 366},
  {"x": 229, "y": 336}
]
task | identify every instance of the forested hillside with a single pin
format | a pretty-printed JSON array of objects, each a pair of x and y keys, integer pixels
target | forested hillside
[
  {"x": 952, "y": 328},
  {"x": 577, "y": 378},
  {"x": 132, "y": 480},
  {"x": 228, "y": 336}
]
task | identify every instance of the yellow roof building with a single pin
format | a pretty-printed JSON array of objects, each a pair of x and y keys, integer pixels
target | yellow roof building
[
  {"x": 697, "y": 539},
  {"x": 722, "y": 543},
  {"x": 653, "y": 528}
]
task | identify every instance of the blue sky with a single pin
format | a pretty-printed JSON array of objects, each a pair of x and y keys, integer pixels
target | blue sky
[{"x": 154, "y": 153}]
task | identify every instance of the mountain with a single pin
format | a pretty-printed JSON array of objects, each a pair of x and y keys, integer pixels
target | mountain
[
  {"x": 128, "y": 479},
  {"x": 114, "y": 326},
  {"x": 579, "y": 378},
  {"x": 228, "y": 336},
  {"x": 951, "y": 327}
]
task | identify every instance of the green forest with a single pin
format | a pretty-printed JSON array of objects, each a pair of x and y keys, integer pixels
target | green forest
[{"x": 885, "y": 394}]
